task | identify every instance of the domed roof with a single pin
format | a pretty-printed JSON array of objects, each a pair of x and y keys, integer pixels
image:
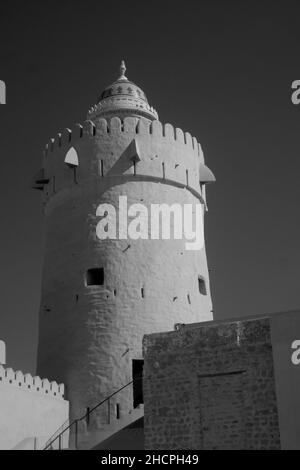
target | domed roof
[{"x": 123, "y": 97}]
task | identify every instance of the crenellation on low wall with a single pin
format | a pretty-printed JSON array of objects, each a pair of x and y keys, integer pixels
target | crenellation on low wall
[{"x": 31, "y": 383}]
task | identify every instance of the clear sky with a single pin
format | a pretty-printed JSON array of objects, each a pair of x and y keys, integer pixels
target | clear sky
[{"x": 220, "y": 70}]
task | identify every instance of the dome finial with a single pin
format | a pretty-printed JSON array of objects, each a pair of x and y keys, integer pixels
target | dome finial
[{"x": 122, "y": 71}]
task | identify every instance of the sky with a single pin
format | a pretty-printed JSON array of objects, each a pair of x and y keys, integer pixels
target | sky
[{"x": 221, "y": 70}]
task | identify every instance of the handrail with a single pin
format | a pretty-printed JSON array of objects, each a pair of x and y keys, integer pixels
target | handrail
[
  {"x": 75, "y": 422},
  {"x": 55, "y": 435}
]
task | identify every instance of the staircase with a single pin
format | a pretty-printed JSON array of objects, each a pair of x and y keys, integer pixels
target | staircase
[{"x": 124, "y": 431}]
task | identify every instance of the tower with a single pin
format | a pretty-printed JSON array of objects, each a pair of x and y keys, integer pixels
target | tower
[{"x": 99, "y": 297}]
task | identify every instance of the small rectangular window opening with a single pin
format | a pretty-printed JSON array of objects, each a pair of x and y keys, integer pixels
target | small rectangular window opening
[{"x": 95, "y": 277}]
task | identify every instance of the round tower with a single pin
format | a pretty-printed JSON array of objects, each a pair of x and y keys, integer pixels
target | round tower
[{"x": 100, "y": 296}]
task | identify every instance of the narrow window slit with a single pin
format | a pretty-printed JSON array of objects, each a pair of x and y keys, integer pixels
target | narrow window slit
[
  {"x": 117, "y": 410},
  {"x": 75, "y": 175},
  {"x": 201, "y": 285},
  {"x": 87, "y": 416}
]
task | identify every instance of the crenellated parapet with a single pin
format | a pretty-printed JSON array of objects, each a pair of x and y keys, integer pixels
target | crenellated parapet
[
  {"x": 102, "y": 149},
  {"x": 129, "y": 124},
  {"x": 31, "y": 383}
]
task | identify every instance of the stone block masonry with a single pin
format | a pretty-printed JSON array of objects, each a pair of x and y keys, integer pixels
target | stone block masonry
[{"x": 211, "y": 386}]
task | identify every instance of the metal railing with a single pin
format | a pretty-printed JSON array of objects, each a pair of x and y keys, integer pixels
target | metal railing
[{"x": 67, "y": 435}]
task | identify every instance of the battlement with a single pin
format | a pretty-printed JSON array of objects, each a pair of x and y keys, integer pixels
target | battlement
[
  {"x": 137, "y": 126},
  {"x": 28, "y": 382},
  {"x": 101, "y": 148}
]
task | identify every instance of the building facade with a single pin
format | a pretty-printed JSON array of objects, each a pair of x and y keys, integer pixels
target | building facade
[{"x": 224, "y": 385}]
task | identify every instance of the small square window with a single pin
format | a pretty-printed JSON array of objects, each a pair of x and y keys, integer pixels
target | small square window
[{"x": 95, "y": 277}]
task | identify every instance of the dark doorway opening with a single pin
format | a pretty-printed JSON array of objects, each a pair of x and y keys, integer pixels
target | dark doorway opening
[{"x": 137, "y": 375}]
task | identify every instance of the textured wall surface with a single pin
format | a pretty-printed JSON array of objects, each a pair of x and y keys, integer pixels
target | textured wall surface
[
  {"x": 29, "y": 408},
  {"x": 90, "y": 334},
  {"x": 285, "y": 331},
  {"x": 211, "y": 387}
]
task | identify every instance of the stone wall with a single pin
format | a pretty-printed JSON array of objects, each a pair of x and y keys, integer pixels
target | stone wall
[{"x": 211, "y": 386}]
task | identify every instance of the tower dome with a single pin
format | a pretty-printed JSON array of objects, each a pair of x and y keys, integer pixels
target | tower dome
[{"x": 123, "y": 97}]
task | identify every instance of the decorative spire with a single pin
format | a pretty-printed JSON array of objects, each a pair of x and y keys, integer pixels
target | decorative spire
[{"x": 122, "y": 71}]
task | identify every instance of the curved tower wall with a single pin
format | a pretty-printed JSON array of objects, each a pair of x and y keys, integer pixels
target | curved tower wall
[{"x": 89, "y": 335}]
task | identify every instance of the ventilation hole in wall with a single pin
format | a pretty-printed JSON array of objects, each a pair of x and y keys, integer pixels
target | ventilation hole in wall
[
  {"x": 163, "y": 170},
  {"x": 10, "y": 381},
  {"x": 143, "y": 293},
  {"x": 101, "y": 168},
  {"x": 77, "y": 297},
  {"x": 201, "y": 285},
  {"x": 134, "y": 168},
  {"x": 46, "y": 391},
  {"x": 175, "y": 298},
  {"x": 115, "y": 292},
  {"x": 20, "y": 384},
  {"x": 55, "y": 394},
  {"x": 95, "y": 277},
  {"x": 28, "y": 386},
  {"x": 189, "y": 299}
]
